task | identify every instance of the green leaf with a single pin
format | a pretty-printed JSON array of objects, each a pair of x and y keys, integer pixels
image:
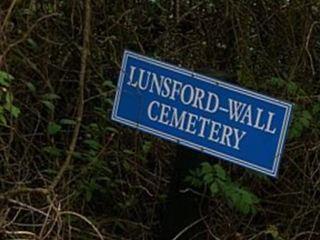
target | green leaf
[
  {"x": 14, "y": 111},
  {"x": 32, "y": 43},
  {"x": 244, "y": 200},
  {"x": 220, "y": 185},
  {"x": 31, "y": 87},
  {"x": 93, "y": 144},
  {"x": 316, "y": 108},
  {"x": 220, "y": 172},
  {"x": 214, "y": 188},
  {"x": 126, "y": 165},
  {"x": 94, "y": 126},
  {"x": 277, "y": 82},
  {"x": 128, "y": 151},
  {"x": 306, "y": 114},
  {"x": 50, "y": 96},
  {"x": 52, "y": 151},
  {"x": 295, "y": 132},
  {"x": 109, "y": 101},
  {"x": 66, "y": 121},
  {"x": 305, "y": 122},
  {"x": 146, "y": 147},
  {"x": 5, "y": 78},
  {"x": 88, "y": 195},
  {"x": 9, "y": 98},
  {"x": 108, "y": 83},
  {"x": 274, "y": 232},
  {"x": 3, "y": 120},
  {"x": 4, "y": 83},
  {"x": 49, "y": 105},
  {"x": 112, "y": 129},
  {"x": 208, "y": 178},
  {"x": 206, "y": 167},
  {"x": 292, "y": 87},
  {"x": 53, "y": 128}
]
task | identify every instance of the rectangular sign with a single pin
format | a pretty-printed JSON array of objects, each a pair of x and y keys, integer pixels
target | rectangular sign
[{"x": 224, "y": 120}]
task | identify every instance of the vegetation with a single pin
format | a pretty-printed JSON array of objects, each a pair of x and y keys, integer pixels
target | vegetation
[{"x": 68, "y": 172}]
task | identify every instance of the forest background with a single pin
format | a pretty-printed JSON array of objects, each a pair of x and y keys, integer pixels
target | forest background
[{"x": 68, "y": 172}]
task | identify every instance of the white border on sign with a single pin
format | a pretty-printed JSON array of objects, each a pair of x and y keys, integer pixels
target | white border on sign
[{"x": 288, "y": 108}]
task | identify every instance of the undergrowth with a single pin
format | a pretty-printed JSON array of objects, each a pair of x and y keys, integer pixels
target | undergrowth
[{"x": 68, "y": 172}]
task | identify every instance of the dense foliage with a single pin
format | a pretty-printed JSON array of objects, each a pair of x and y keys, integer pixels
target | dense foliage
[{"x": 68, "y": 172}]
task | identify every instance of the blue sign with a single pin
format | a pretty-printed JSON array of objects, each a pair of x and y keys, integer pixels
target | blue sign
[{"x": 224, "y": 120}]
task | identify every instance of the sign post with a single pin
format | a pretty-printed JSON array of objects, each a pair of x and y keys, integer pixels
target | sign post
[{"x": 205, "y": 114}]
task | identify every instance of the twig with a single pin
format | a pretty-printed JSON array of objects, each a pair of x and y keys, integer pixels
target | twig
[
  {"x": 21, "y": 233},
  {"x": 307, "y": 47},
  {"x": 22, "y": 190},
  {"x": 305, "y": 233},
  {"x": 53, "y": 223},
  {"x": 84, "y": 58},
  {"x": 84, "y": 219},
  {"x": 12, "y": 220},
  {"x": 46, "y": 222},
  {"x": 177, "y": 10},
  {"x": 6, "y": 19},
  {"x": 314, "y": 226},
  {"x": 26, "y": 206},
  {"x": 25, "y": 36},
  {"x": 183, "y": 16},
  {"x": 187, "y": 228}
]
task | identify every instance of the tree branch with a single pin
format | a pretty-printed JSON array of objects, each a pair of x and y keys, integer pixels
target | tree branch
[{"x": 84, "y": 58}]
